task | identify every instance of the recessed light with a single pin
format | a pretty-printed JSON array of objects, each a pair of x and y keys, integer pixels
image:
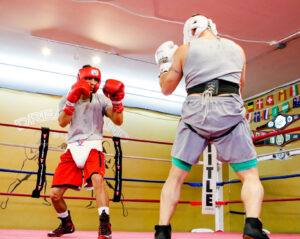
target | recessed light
[
  {"x": 46, "y": 51},
  {"x": 96, "y": 59}
]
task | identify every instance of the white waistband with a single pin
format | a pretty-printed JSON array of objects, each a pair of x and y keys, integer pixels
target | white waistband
[{"x": 80, "y": 150}]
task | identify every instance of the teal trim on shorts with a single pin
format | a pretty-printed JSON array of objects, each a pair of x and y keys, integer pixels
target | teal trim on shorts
[
  {"x": 244, "y": 166},
  {"x": 180, "y": 164}
]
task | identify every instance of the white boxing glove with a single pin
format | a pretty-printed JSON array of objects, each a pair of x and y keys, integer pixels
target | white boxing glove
[{"x": 164, "y": 55}]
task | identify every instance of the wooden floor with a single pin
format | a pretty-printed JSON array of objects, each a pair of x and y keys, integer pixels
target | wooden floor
[{"x": 40, "y": 234}]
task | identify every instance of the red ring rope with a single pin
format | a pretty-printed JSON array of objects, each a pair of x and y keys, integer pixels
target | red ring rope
[
  {"x": 152, "y": 141},
  {"x": 198, "y": 203},
  {"x": 193, "y": 203},
  {"x": 63, "y": 131},
  {"x": 87, "y": 198}
]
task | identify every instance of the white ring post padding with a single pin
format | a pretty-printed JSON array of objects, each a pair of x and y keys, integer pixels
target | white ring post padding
[
  {"x": 219, "y": 215},
  {"x": 209, "y": 181}
]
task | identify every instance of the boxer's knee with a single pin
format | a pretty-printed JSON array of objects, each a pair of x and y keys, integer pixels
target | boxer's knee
[
  {"x": 55, "y": 194},
  {"x": 97, "y": 180}
]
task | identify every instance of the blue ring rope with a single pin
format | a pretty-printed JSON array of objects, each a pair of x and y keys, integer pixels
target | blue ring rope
[{"x": 157, "y": 181}]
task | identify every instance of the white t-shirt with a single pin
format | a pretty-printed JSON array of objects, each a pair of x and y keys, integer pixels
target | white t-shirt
[{"x": 88, "y": 118}]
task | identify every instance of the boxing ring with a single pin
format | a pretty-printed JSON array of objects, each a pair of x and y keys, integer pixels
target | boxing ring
[{"x": 217, "y": 233}]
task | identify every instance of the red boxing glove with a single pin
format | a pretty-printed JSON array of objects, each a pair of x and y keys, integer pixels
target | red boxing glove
[
  {"x": 79, "y": 88},
  {"x": 114, "y": 90}
]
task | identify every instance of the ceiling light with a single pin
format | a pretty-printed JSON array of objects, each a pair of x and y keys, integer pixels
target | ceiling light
[
  {"x": 96, "y": 59},
  {"x": 46, "y": 51}
]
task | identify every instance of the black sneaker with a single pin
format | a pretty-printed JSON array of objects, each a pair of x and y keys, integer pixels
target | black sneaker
[
  {"x": 253, "y": 229},
  {"x": 105, "y": 227},
  {"x": 65, "y": 227},
  {"x": 163, "y": 232}
]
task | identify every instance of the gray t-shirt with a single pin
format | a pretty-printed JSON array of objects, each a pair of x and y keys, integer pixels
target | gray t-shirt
[
  {"x": 209, "y": 59},
  {"x": 88, "y": 118}
]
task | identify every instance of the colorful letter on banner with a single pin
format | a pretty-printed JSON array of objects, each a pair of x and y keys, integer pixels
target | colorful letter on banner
[
  {"x": 250, "y": 107},
  {"x": 209, "y": 187},
  {"x": 275, "y": 111},
  {"x": 264, "y": 115},
  {"x": 296, "y": 102},
  {"x": 282, "y": 95},
  {"x": 270, "y": 100},
  {"x": 285, "y": 107},
  {"x": 248, "y": 117},
  {"x": 256, "y": 116},
  {"x": 259, "y": 104},
  {"x": 293, "y": 90}
]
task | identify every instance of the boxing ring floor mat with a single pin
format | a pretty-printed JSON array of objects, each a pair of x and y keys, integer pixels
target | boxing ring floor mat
[{"x": 42, "y": 234}]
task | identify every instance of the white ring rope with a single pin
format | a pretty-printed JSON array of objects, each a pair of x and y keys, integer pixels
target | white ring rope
[
  {"x": 282, "y": 154},
  {"x": 109, "y": 155}
]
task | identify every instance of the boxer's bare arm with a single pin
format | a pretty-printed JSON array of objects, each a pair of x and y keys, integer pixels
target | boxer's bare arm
[{"x": 169, "y": 80}]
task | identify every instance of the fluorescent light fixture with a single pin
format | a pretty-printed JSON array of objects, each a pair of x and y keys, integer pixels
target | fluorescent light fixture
[
  {"x": 35, "y": 80},
  {"x": 152, "y": 94},
  {"x": 54, "y": 83}
]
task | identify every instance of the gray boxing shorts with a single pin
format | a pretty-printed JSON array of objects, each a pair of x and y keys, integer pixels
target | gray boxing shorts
[{"x": 222, "y": 113}]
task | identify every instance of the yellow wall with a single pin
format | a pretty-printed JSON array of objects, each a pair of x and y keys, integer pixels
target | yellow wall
[
  {"x": 30, "y": 213},
  {"x": 278, "y": 217}
]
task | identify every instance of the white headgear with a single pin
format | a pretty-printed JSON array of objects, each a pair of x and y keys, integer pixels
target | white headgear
[{"x": 198, "y": 23}]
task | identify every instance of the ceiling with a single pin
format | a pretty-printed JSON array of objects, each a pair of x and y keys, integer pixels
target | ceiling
[{"x": 132, "y": 30}]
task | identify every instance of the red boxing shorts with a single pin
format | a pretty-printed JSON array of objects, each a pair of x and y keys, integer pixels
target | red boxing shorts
[{"x": 68, "y": 174}]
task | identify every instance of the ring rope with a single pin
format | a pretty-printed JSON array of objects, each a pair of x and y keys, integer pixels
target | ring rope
[
  {"x": 105, "y": 136},
  {"x": 110, "y": 155},
  {"x": 87, "y": 198},
  {"x": 269, "y": 134},
  {"x": 223, "y": 203},
  {"x": 107, "y": 178},
  {"x": 193, "y": 203},
  {"x": 256, "y": 138},
  {"x": 143, "y": 158},
  {"x": 193, "y": 184}
]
